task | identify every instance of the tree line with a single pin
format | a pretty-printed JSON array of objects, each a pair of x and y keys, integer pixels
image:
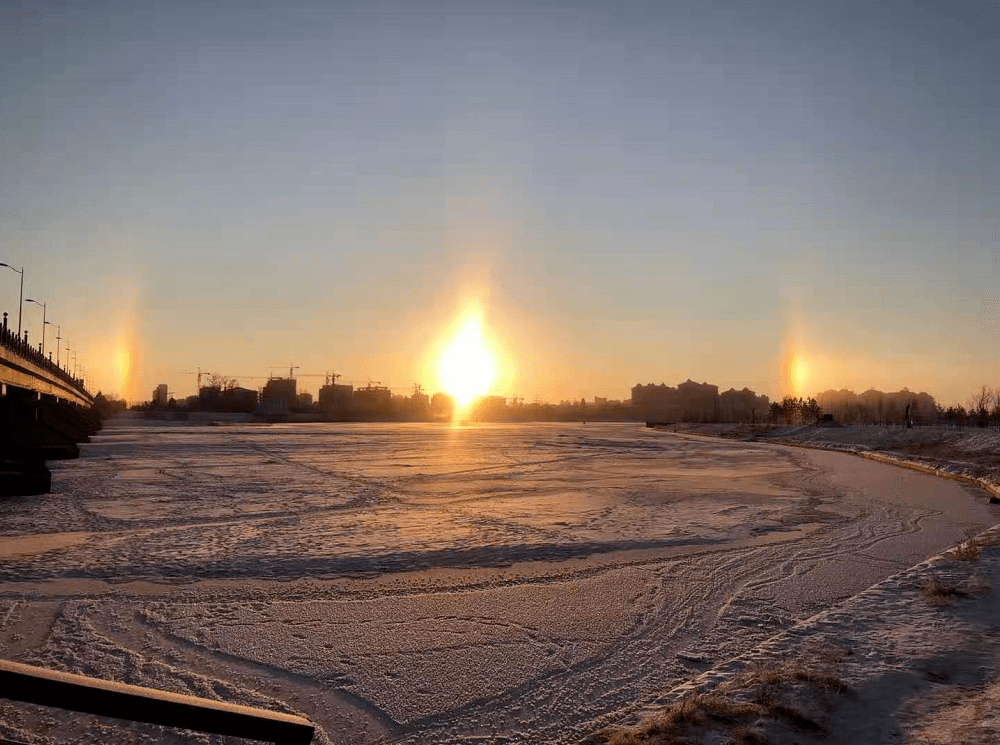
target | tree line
[
  {"x": 981, "y": 410},
  {"x": 795, "y": 410}
]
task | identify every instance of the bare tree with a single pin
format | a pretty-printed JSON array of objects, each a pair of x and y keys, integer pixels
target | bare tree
[
  {"x": 223, "y": 383},
  {"x": 979, "y": 406},
  {"x": 811, "y": 410}
]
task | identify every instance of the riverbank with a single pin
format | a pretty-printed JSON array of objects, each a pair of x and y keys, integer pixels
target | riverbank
[
  {"x": 913, "y": 659},
  {"x": 970, "y": 454}
]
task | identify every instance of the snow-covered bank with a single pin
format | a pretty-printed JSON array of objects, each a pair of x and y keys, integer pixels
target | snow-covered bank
[
  {"x": 913, "y": 659},
  {"x": 969, "y": 454}
]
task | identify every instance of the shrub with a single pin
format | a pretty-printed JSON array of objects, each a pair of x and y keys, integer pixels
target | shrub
[{"x": 939, "y": 592}]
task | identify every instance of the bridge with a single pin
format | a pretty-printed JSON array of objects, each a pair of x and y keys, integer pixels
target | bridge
[
  {"x": 44, "y": 413},
  {"x": 24, "y": 367}
]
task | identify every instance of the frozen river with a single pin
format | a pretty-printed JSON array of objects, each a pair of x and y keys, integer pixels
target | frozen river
[{"x": 436, "y": 584}]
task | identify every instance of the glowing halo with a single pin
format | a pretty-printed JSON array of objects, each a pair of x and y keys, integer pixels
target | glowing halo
[{"x": 798, "y": 374}]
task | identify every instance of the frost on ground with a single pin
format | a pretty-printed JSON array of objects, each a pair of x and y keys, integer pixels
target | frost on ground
[
  {"x": 417, "y": 583},
  {"x": 914, "y": 659},
  {"x": 968, "y": 452}
]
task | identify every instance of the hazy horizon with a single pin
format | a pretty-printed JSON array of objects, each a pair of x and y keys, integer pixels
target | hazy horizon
[{"x": 786, "y": 197}]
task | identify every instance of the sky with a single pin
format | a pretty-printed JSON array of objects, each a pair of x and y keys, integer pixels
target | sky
[{"x": 781, "y": 195}]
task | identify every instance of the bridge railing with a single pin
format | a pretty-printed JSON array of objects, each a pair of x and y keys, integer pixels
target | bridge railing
[
  {"x": 10, "y": 340},
  {"x": 36, "y": 685}
]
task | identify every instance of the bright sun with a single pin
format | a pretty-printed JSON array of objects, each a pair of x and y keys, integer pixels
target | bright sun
[{"x": 467, "y": 365}]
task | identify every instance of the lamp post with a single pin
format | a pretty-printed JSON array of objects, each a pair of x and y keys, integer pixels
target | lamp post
[
  {"x": 44, "y": 324},
  {"x": 20, "y": 300},
  {"x": 68, "y": 350},
  {"x": 58, "y": 339}
]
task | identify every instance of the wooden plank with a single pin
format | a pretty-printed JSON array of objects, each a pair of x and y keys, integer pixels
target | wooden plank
[{"x": 36, "y": 685}]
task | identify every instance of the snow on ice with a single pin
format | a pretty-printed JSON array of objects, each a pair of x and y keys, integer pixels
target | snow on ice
[{"x": 495, "y": 583}]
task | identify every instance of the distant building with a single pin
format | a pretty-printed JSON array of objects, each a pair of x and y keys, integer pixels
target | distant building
[
  {"x": 689, "y": 401},
  {"x": 656, "y": 403},
  {"x": 335, "y": 401},
  {"x": 241, "y": 399},
  {"x": 418, "y": 407},
  {"x": 489, "y": 409},
  {"x": 277, "y": 399},
  {"x": 304, "y": 401},
  {"x": 742, "y": 406},
  {"x": 214, "y": 398},
  {"x": 874, "y": 406},
  {"x": 160, "y": 395},
  {"x": 699, "y": 401},
  {"x": 373, "y": 402},
  {"x": 280, "y": 389},
  {"x": 442, "y": 406}
]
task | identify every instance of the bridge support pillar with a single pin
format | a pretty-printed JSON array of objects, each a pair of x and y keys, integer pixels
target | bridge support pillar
[
  {"x": 24, "y": 479},
  {"x": 27, "y": 437},
  {"x": 43, "y": 415}
]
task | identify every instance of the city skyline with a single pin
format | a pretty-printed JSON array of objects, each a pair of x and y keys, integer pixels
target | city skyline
[
  {"x": 785, "y": 198},
  {"x": 206, "y": 381}
]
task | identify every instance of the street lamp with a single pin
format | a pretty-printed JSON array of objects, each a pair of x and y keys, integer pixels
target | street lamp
[
  {"x": 68, "y": 350},
  {"x": 20, "y": 300},
  {"x": 49, "y": 323},
  {"x": 58, "y": 339},
  {"x": 44, "y": 324}
]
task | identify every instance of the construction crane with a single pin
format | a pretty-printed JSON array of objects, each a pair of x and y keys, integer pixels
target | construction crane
[
  {"x": 269, "y": 377},
  {"x": 291, "y": 373},
  {"x": 199, "y": 374}
]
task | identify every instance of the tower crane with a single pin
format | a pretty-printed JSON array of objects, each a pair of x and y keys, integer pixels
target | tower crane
[
  {"x": 199, "y": 374},
  {"x": 293, "y": 368}
]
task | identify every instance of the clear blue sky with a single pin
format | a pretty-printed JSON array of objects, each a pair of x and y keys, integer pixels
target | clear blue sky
[{"x": 630, "y": 191}]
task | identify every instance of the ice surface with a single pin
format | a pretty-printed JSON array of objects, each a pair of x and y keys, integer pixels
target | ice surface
[
  {"x": 916, "y": 668},
  {"x": 443, "y": 584}
]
